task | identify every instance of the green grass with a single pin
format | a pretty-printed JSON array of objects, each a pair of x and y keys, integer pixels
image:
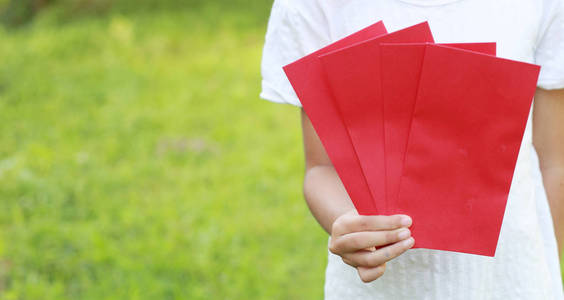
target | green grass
[{"x": 137, "y": 162}]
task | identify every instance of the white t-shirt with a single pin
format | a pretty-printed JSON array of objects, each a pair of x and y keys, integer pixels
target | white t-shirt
[{"x": 526, "y": 264}]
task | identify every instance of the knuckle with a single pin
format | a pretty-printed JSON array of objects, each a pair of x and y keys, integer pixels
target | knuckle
[
  {"x": 355, "y": 243},
  {"x": 364, "y": 260},
  {"x": 337, "y": 225},
  {"x": 382, "y": 256},
  {"x": 388, "y": 253},
  {"x": 390, "y": 237},
  {"x": 397, "y": 251},
  {"x": 373, "y": 260},
  {"x": 380, "y": 221},
  {"x": 396, "y": 221},
  {"x": 332, "y": 249},
  {"x": 346, "y": 219},
  {"x": 361, "y": 222},
  {"x": 334, "y": 246},
  {"x": 341, "y": 224},
  {"x": 385, "y": 222}
]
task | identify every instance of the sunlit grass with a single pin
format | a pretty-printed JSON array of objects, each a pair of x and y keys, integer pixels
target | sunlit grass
[{"x": 137, "y": 162}]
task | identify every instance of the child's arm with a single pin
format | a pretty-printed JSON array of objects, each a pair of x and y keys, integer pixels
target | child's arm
[
  {"x": 353, "y": 237},
  {"x": 548, "y": 138}
]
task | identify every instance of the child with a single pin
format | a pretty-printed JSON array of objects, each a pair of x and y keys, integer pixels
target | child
[{"x": 526, "y": 264}]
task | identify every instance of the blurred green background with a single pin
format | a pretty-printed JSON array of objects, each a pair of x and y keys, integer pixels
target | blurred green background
[{"x": 137, "y": 161}]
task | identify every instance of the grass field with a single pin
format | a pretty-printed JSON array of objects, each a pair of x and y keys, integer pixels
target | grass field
[{"x": 137, "y": 162}]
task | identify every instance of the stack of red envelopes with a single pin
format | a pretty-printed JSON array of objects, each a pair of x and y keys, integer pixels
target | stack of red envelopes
[{"x": 413, "y": 127}]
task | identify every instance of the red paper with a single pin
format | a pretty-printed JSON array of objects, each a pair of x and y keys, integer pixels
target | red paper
[
  {"x": 470, "y": 115},
  {"x": 354, "y": 76},
  {"x": 308, "y": 80},
  {"x": 401, "y": 68}
]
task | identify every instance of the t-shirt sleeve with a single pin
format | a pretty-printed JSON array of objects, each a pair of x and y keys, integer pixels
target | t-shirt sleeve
[
  {"x": 294, "y": 30},
  {"x": 550, "y": 48}
]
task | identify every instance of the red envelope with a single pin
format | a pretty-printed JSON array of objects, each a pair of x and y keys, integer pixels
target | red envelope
[
  {"x": 354, "y": 76},
  {"x": 468, "y": 124},
  {"x": 401, "y": 69},
  {"x": 308, "y": 80}
]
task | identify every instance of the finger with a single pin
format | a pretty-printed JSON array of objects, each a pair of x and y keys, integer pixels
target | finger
[
  {"x": 372, "y": 259},
  {"x": 354, "y": 223},
  {"x": 356, "y": 241},
  {"x": 370, "y": 274},
  {"x": 348, "y": 262}
]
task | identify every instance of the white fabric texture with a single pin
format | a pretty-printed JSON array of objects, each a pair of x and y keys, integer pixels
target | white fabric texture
[{"x": 526, "y": 263}]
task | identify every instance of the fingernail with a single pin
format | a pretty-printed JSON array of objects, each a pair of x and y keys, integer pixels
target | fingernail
[
  {"x": 405, "y": 221},
  {"x": 409, "y": 242},
  {"x": 403, "y": 234}
]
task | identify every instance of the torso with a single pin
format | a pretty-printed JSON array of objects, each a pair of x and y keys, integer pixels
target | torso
[{"x": 524, "y": 264}]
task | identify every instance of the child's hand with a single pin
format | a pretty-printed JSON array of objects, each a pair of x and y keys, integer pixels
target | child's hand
[{"x": 359, "y": 240}]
